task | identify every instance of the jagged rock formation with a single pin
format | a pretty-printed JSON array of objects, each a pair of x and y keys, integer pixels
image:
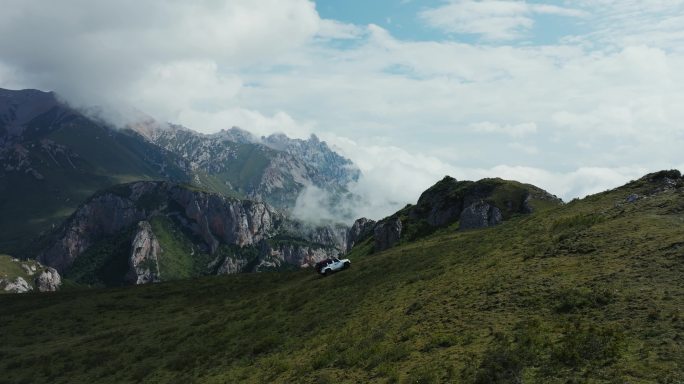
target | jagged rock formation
[
  {"x": 360, "y": 230},
  {"x": 19, "y": 276},
  {"x": 478, "y": 204},
  {"x": 274, "y": 168},
  {"x": 387, "y": 233},
  {"x": 103, "y": 215},
  {"x": 326, "y": 166},
  {"x": 49, "y": 280},
  {"x": 479, "y": 215},
  {"x": 206, "y": 232},
  {"x": 18, "y": 285},
  {"x": 145, "y": 253}
]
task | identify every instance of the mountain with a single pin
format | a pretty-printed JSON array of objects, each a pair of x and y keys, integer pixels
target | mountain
[
  {"x": 274, "y": 168},
  {"x": 588, "y": 291},
  {"x": 151, "y": 231},
  {"x": 53, "y": 157}
]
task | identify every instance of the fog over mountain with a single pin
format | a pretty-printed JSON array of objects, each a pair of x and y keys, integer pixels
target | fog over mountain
[{"x": 574, "y": 97}]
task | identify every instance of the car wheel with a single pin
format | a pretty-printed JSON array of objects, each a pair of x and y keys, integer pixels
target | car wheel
[
  {"x": 347, "y": 265},
  {"x": 326, "y": 272}
]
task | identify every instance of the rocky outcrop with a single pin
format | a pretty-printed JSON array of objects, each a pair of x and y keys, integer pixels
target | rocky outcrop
[
  {"x": 360, "y": 230},
  {"x": 49, "y": 280},
  {"x": 480, "y": 215},
  {"x": 145, "y": 253},
  {"x": 17, "y": 285},
  {"x": 232, "y": 265},
  {"x": 475, "y": 204},
  {"x": 19, "y": 276},
  {"x": 387, "y": 233},
  {"x": 276, "y": 254},
  {"x": 437, "y": 205}
]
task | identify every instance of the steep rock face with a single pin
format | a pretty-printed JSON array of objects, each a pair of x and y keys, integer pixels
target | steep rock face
[
  {"x": 387, "y": 234},
  {"x": 197, "y": 226},
  {"x": 360, "y": 230},
  {"x": 479, "y": 215},
  {"x": 331, "y": 235},
  {"x": 212, "y": 217},
  {"x": 103, "y": 215},
  {"x": 145, "y": 253},
  {"x": 228, "y": 220},
  {"x": 49, "y": 280}
]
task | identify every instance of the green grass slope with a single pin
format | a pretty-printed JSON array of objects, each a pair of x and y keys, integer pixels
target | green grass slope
[{"x": 590, "y": 291}]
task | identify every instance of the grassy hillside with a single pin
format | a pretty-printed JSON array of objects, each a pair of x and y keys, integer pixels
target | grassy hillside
[{"x": 587, "y": 292}]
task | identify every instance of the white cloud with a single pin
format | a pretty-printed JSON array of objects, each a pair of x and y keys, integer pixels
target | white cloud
[
  {"x": 332, "y": 29},
  {"x": 585, "y": 114},
  {"x": 492, "y": 20},
  {"x": 514, "y": 130},
  {"x": 86, "y": 50}
]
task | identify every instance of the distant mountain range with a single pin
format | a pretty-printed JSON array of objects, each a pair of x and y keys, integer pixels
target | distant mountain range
[{"x": 54, "y": 157}]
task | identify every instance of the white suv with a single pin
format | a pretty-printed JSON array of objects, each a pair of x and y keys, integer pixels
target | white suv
[{"x": 329, "y": 266}]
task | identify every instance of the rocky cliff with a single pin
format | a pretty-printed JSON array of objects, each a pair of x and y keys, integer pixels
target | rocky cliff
[
  {"x": 169, "y": 231},
  {"x": 145, "y": 253},
  {"x": 359, "y": 231}
]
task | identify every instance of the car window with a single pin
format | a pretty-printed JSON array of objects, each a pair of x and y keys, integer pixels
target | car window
[{"x": 336, "y": 260}]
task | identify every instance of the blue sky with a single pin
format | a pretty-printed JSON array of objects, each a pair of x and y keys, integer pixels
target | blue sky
[
  {"x": 573, "y": 96},
  {"x": 401, "y": 18}
]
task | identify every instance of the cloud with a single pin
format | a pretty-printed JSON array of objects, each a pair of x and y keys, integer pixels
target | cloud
[
  {"x": 634, "y": 23},
  {"x": 93, "y": 51},
  {"x": 492, "y": 20},
  {"x": 515, "y": 130},
  {"x": 589, "y": 111}
]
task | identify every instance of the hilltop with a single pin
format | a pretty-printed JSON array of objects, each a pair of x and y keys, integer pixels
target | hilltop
[{"x": 587, "y": 291}]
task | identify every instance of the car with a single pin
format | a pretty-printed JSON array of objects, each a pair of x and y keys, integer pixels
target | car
[{"x": 328, "y": 266}]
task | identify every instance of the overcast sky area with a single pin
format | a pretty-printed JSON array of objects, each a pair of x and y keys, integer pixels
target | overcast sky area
[{"x": 573, "y": 96}]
